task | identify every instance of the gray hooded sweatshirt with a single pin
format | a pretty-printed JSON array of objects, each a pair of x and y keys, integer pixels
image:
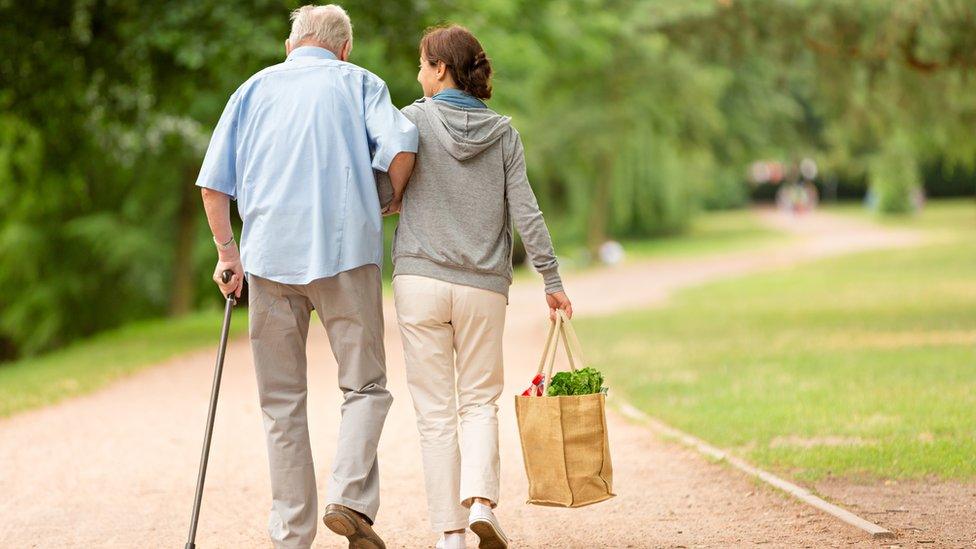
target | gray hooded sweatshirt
[{"x": 467, "y": 189}]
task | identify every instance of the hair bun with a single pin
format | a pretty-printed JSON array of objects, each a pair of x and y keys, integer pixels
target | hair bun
[{"x": 466, "y": 60}]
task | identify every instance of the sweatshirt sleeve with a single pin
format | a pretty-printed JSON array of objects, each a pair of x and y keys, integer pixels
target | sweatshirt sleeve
[
  {"x": 524, "y": 211},
  {"x": 384, "y": 188}
]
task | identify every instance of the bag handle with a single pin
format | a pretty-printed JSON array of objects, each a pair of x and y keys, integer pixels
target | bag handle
[
  {"x": 572, "y": 342},
  {"x": 545, "y": 350},
  {"x": 549, "y": 353},
  {"x": 560, "y": 328}
]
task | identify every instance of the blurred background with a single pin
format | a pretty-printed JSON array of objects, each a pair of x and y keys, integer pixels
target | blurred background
[
  {"x": 737, "y": 146},
  {"x": 638, "y": 116}
]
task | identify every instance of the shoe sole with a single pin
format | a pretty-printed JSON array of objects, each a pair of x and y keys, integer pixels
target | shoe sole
[
  {"x": 360, "y": 535},
  {"x": 488, "y": 536}
]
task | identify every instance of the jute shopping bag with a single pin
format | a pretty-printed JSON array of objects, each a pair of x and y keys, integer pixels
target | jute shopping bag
[{"x": 564, "y": 438}]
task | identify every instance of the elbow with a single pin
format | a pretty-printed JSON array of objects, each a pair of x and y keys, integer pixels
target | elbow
[{"x": 404, "y": 158}]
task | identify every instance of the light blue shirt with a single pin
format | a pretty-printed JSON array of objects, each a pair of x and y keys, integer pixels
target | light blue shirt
[{"x": 296, "y": 147}]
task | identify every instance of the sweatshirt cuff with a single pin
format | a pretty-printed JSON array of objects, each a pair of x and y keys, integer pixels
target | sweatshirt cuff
[{"x": 552, "y": 280}]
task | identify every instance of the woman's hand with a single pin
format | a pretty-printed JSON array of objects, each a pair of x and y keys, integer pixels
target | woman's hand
[
  {"x": 559, "y": 300},
  {"x": 394, "y": 207}
]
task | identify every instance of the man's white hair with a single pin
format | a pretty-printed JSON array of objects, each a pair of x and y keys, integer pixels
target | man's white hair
[{"x": 328, "y": 25}]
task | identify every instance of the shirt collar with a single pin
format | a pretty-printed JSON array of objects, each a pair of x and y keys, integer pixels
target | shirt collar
[
  {"x": 459, "y": 98},
  {"x": 311, "y": 51}
]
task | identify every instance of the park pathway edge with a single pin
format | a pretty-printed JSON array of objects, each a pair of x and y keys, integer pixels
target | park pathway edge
[{"x": 794, "y": 490}]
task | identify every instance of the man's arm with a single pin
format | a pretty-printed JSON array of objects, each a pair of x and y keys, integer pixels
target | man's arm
[
  {"x": 218, "y": 185},
  {"x": 217, "y": 206}
]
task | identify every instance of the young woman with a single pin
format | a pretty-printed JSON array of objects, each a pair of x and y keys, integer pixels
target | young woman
[{"x": 452, "y": 260}]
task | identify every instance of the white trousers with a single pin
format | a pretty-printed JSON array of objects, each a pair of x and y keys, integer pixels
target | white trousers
[{"x": 452, "y": 343}]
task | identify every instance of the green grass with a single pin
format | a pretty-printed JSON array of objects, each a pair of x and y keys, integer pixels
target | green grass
[
  {"x": 88, "y": 365},
  {"x": 710, "y": 232},
  {"x": 862, "y": 366},
  {"x": 939, "y": 217}
]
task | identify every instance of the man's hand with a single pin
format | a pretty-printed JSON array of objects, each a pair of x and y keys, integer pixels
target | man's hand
[
  {"x": 559, "y": 300},
  {"x": 230, "y": 260}
]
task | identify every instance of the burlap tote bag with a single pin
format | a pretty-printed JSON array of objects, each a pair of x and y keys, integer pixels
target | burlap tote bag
[{"x": 564, "y": 438}]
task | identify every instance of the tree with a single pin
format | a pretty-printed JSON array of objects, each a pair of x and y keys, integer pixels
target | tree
[{"x": 634, "y": 113}]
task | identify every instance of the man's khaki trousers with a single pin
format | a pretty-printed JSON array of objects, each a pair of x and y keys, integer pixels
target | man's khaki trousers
[
  {"x": 452, "y": 343},
  {"x": 350, "y": 307}
]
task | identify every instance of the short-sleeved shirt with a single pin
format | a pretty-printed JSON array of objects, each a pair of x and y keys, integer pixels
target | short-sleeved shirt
[{"x": 296, "y": 147}]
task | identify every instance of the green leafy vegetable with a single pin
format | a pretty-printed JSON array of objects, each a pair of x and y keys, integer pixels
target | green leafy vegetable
[{"x": 585, "y": 381}]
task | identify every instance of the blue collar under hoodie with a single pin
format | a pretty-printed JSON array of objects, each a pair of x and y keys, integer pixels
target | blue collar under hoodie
[{"x": 459, "y": 98}]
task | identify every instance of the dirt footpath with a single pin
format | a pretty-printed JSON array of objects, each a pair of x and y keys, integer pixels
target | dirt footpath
[{"x": 116, "y": 468}]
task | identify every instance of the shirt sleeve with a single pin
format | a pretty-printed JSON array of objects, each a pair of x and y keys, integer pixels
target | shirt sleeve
[
  {"x": 219, "y": 169},
  {"x": 388, "y": 130}
]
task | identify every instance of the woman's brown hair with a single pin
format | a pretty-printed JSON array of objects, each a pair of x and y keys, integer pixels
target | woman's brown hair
[{"x": 463, "y": 55}]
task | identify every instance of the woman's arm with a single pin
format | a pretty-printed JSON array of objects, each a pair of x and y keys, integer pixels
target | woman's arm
[
  {"x": 396, "y": 179},
  {"x": 524, "y": 211},
  {"x": 400, "y": 170}
]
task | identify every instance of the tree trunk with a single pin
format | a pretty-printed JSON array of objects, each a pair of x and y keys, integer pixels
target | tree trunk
[{"x": 181, "y": 297}]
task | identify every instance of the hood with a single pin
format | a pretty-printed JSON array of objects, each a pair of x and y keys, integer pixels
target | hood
[{"x": 465, "y": 133}]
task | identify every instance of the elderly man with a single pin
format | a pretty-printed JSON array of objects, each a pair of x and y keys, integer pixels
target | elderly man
[{"x": 296, "y": 146}]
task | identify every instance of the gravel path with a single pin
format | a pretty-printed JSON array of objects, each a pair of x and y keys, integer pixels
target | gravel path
[{"x": 116, "y": 468}]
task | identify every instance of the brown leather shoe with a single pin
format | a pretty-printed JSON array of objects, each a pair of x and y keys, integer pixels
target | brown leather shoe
[{"x": 346, "y": 522}]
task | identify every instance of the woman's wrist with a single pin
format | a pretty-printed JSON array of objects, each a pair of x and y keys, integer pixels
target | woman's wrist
[{"x": 551, "y": 280}]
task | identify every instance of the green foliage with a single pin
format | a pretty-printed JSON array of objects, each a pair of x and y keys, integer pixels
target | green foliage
[
  {"x": 636, "y": 114},
  {"x": 107, "y": 109},
  {"x": 894, "y": 176},
  {"x": 585, "y": 381},
  {"x": 942, "y": 178},
  {"x": 654, "y": 191}
]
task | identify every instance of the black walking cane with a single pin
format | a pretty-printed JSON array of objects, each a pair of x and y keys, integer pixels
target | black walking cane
[{"x": 218, "y": 369}]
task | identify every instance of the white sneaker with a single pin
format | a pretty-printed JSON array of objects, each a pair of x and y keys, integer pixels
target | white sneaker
[
  {"x": 451, "y": 541},
  {"x": 483, "y": 523}
]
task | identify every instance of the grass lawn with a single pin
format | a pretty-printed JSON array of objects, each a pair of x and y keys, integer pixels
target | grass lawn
[
  {"x": 88, "y": 365},
  {"x": 710, "y": 232},
  {"x": 953, "y": 218},
  {"x": 862, "y": 366}
]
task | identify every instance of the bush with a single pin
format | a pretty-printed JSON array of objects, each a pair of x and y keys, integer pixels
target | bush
[
  {"x": 893, "y": 174},
  {"x": 943, "y": 179}
]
